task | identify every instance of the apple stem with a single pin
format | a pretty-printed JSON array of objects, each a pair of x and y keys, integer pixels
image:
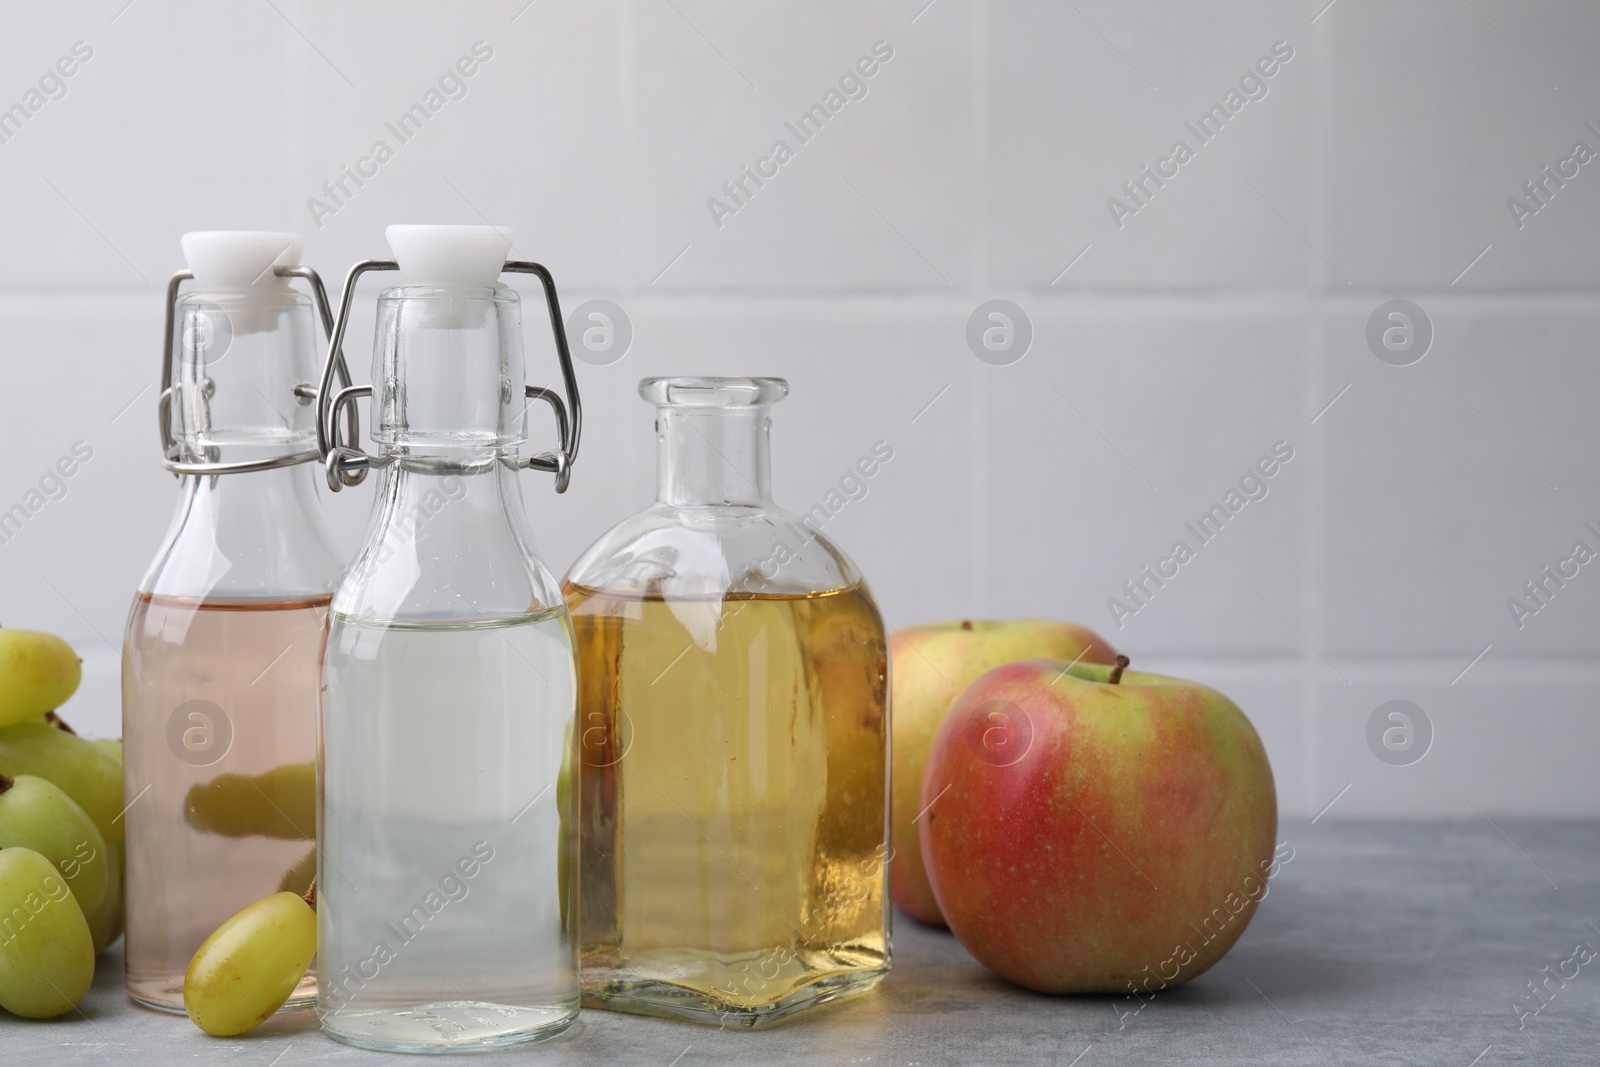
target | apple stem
[
  {"x": 1115, "y": 677},
  {"x": 6, "y": 781},
  {"x": 966, "y": 624}
]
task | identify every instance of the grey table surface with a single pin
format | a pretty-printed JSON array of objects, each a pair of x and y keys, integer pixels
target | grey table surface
[{"x": 1378, "y": 943}]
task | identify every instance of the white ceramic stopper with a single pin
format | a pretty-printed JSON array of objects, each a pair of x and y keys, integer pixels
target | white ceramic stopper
[
  {"x": 450, "y": 255},
  {"x": 240, "y": 259}
]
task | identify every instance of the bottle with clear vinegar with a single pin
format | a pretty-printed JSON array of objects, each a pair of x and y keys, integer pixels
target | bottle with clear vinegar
[
  {"x": 733, "y": 733},
  {"x": 448, "y": 678}
]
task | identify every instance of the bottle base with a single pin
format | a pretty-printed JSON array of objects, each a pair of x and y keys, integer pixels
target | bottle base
[
  {"x": 664, "y": 1000},
  {"x": 165, "y": 994},
  {"x": 448, "y": 1027}
]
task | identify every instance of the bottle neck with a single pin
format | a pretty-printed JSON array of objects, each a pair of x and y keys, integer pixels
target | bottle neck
[
  {"x": 428, "y": 509},
  {"x": 448, "y": 373},
  {"x": 447, "y": 542},
  {"x": 246, "y": 536},
  {"x": 240, "y": 363},
  {"x": 711, "y": 456}
]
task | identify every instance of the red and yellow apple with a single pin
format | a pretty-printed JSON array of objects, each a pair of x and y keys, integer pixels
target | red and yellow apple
[
  {"x": 1091, "y": 830},
  {"x": 932, "y": 664}
]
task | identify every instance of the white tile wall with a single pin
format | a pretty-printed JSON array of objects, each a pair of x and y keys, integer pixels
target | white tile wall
[
  {"x": 883, "y": 197},
  {"x": 1510, "y": 738},
  {"x": 1082, "y": 97},
  {"x": 1437, "y": 114},
  {"x": 1451, "y": 482},
  {"x": 1100, "y": 423},
  {"x": 1223, "y": 316}
]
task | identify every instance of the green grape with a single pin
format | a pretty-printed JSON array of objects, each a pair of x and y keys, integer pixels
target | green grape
[
  {"x": 105, "y": 923},
  {"x": 249, "y": 966},
  {"x": 36, "y": 814},
  {"x": 297, "y": 879},
  {"x": 112, "y": 745},
  {"x": 46, "y": 954},
  {"x": 38, "y": 672},
  {"x": 281, "y": 803},
  {"x": 85, "y": 772}
]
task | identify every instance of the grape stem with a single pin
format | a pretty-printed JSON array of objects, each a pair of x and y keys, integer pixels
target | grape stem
[{"x": 310, "y": 895}]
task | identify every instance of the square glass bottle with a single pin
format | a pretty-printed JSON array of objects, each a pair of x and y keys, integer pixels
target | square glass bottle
[{"x": 734, "y": 735}]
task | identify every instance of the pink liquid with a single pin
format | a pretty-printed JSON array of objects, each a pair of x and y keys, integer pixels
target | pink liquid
[{"x": 193, "y": 673}]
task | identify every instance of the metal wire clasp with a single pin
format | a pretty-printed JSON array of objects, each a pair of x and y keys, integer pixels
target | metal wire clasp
[
  {"x": 170, "y": 451},
  {"x": 345, "y": 461}
]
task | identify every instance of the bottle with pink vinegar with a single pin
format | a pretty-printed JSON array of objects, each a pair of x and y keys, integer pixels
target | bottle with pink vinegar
[{"x": 223, "y": 644}]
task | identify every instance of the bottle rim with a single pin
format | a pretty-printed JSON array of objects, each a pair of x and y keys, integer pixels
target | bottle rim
[{"x": 713, "y": 392}]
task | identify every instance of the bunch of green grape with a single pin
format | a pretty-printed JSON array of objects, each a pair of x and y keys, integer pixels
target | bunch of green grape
[{"x": 61, "y": 866}]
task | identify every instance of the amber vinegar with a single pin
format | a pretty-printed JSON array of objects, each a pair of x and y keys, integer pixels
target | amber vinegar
[{"x": 732, "y": 805}]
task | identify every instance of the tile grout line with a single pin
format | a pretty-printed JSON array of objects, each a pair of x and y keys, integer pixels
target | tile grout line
[
  {"x": 1215, "y": 305},
  {"x": 1314, "y": 556},
  {"x": 1316, "y": 361},
  {"x": 628, "y": 86},
  {"x": 291, "y": 62},
  {"x": 1317, "y": 373},
  {"x": 982, "y": 19},
  {"x": 980, "y": 22}
]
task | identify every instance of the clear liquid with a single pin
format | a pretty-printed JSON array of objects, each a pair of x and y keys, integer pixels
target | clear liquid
[
  {"x": 439, "y": 909},
  {"x": 240, "y": 679},
  {"x": 733, "y": 802}
]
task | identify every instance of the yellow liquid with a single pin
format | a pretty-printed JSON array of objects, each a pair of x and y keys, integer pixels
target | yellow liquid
[{"x": 732, "y": 802}]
